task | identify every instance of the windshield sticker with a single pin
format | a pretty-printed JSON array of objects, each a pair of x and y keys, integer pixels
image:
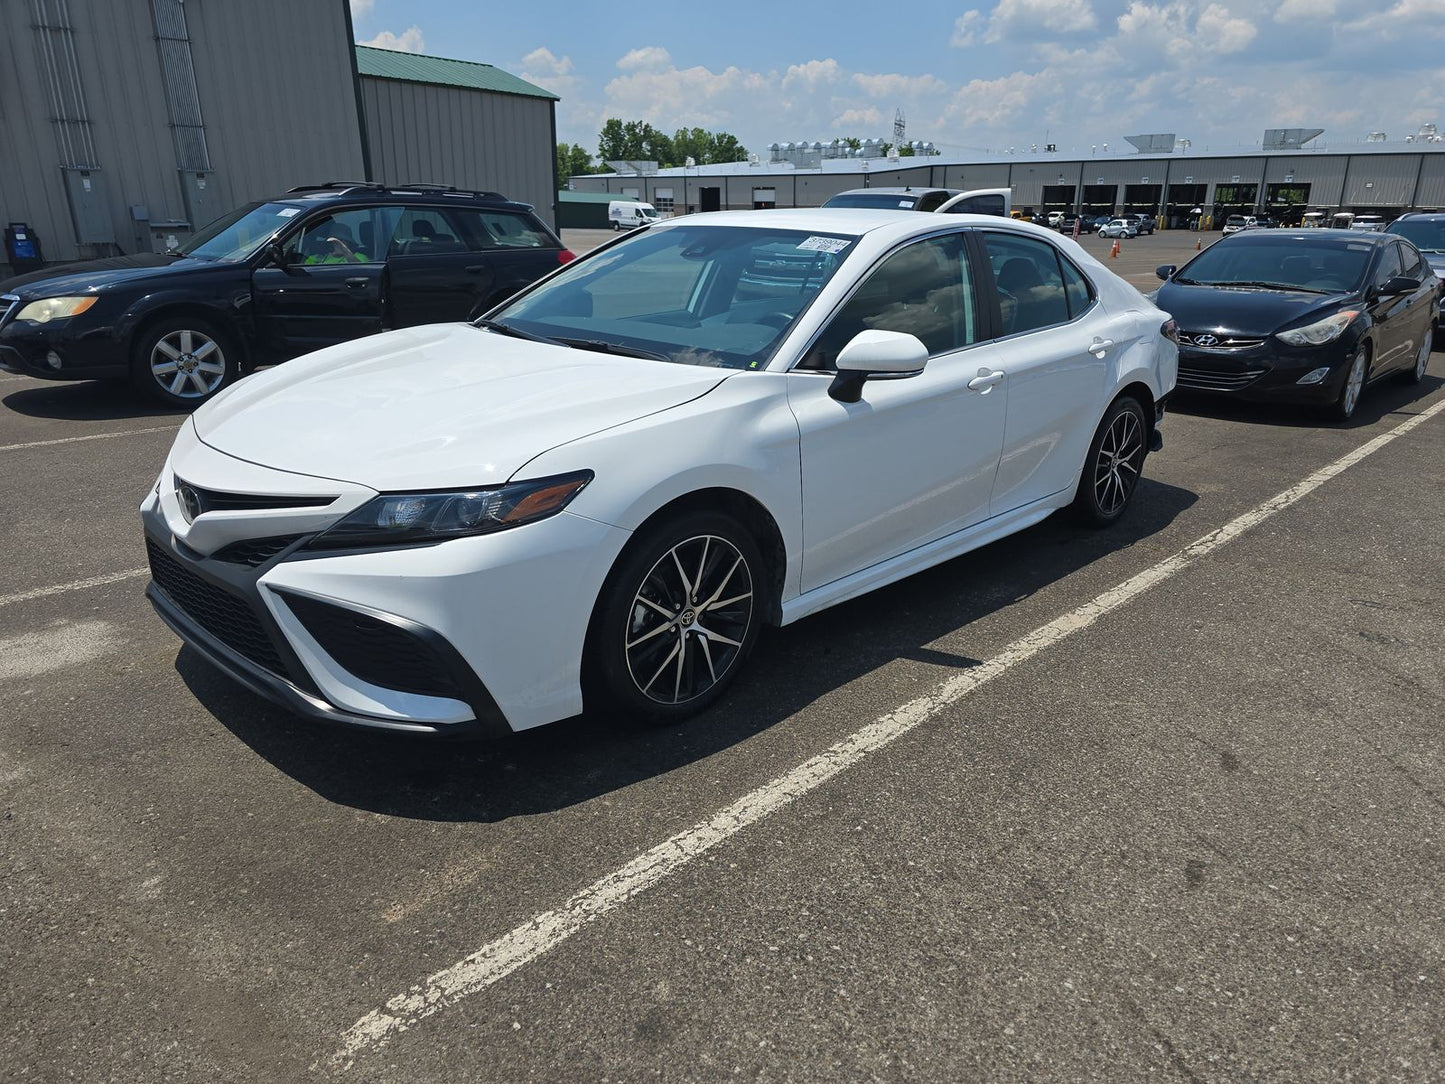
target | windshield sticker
[
  {"x": 288, "y": 212},
  {"x": 824, "y": 244}
]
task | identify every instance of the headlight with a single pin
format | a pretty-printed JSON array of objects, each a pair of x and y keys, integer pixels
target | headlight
[
  {"x": 1317, "y": 334},
  {"x": 400, "y": 518},
  {"x": 55, "y": 308}
]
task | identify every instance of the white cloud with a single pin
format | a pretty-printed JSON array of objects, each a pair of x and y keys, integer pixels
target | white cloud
[
  {"x": 862, "y": 119},
  {"x": 966, "y": 28},
  {"x": 543, "y": 61},
  {"x": 1225, "y": 32},
  {"x": 898, "y": 86},
  {"x": 1032, "y": 18},
  {"x": 547, "y": 70},
  {"x": 361, "y": 8},
  {"x": 409, "y": 40},
  {"x": 1305, "y": 14},
  {"x": 813, "y": 74},
  {"x": 1404, "y": 18},
  {"x": 650, "y": 58}
]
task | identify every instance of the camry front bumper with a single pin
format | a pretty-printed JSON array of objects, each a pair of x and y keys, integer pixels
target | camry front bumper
[{"x": 475, "y": 635}]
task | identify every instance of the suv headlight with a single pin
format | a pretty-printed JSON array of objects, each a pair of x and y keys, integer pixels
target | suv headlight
[
  {"x": 401, "y": 518},
  {"x": 55, "y": 308},
  {"x": 1322, "y": 331}
]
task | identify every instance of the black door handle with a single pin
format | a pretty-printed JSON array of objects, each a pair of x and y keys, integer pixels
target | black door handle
[
  {"x": 476, "y": 269},
  {"x": 356, "y": 283}
]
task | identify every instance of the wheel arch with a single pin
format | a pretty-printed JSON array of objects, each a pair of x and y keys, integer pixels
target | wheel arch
[{"x": 138, "y": 323}]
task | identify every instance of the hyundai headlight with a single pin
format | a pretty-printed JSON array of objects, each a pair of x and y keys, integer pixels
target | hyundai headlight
[
  {"x": 401, "y": 518},
  {"x": 55, "y": 308},
  {"x": 1322, "y": 331}
]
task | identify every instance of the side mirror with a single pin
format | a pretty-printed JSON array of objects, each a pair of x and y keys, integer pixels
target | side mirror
[
  {"x": 1165, "y": 270},
  {"x": 876, "y": 355},
  {"x": 1400, "y": 284},
  {"x": 275, "y": 255}
]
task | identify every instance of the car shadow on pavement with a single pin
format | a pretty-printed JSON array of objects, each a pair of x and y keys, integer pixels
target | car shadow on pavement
[
  {"x": 1379, "y": 401},
  {"x": 89, "y": 400},
  {"x": 578, "y": 759}
]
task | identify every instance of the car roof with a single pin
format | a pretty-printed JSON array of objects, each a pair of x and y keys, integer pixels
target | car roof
[
  {"x": 344, "y": 192},
  {"x": 1325, "y": 237},
  {"x": 907, "y": 191},
  {"x": 851, "y": 220}
]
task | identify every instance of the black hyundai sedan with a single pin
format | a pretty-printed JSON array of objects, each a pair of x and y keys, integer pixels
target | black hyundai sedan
[{"x": 1308, "y": 316}]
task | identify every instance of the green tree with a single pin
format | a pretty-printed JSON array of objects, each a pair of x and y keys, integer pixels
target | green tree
[
  {"x": 572, "y": 161},
  {"x": 634, "y": 141},
  {"x": 726, "y": 148}
]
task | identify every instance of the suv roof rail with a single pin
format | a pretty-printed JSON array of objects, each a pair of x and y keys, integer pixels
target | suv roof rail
[
  {"x": 342, "y": 185},
  {"x": 429, "y": 186}
]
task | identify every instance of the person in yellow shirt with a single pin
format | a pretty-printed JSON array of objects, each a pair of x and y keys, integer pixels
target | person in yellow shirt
[{"x": 332, "y": 242}]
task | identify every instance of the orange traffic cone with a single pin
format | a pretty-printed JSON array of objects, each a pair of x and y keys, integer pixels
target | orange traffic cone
[
  {"x": 1114, "y": 252},
  {"x": 1198, "y": 243}
]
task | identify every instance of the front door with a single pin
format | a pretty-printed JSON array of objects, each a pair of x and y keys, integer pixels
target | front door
[
  {"x": 914, "y": 459},
  {"x": 330, "y": 287}
]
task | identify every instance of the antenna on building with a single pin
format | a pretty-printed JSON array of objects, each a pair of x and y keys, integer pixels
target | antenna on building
[{"x": 900, "y": 128}]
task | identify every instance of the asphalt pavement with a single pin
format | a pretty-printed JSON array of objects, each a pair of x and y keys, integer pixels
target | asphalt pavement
[{"x": 1071, "y": 807}]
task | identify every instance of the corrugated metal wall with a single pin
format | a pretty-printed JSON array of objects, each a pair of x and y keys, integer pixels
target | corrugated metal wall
[
  {"x": 1381, "y": 180},
  {"x": 278, "y": 107},
  {"x": 468, "y": 138}
]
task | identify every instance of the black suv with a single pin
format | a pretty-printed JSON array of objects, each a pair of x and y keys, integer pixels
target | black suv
[{"x": 318, "y": 266}]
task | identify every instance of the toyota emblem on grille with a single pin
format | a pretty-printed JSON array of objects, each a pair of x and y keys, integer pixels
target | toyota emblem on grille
[
  {"x": 1206, "y": 340},
  {"x": 190, "y": 501}
]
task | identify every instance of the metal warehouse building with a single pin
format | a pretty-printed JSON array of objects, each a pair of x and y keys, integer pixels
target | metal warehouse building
[
  {"x": 126, "y": 123},
  {"x": 1381, "y": 178}
]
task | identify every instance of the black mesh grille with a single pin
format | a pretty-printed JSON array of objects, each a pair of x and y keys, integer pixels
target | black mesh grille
[
  {"x": 1193, "y": 376},
  {"x": 213, "y": 500},
  {"x": 225, "y": 616},
  {"x": 376, "y": 651},
  {"x": 254, "y": 551}
]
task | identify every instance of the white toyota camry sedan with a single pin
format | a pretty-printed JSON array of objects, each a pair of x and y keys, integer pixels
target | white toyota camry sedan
[{"x": 601, "y": 491}]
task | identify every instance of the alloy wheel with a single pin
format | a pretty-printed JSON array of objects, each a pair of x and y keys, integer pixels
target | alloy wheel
[
  {"x": 188, "y": 364},
  {"x": 689, "y": 620},
  {"x": 1121, "y": 456},
  {"x": 1422, "y": 361},
  {"x": 1354, "y": 384}
]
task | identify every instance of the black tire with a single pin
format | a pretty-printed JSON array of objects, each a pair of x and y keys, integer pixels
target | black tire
[
  {"x": 1114, "y": 464},
  {"x": 1353, "y": 388},
  {"x": 1416, "y": 372},
  {"x": 206, "y": 359},
  {"x": 638, "y": 641}
]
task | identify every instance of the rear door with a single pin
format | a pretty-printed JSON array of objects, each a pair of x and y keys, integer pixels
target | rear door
[
  {"x": 1055, "y": 347},
  {"x": 329, "y": 290},
  {"x": 1420, "y": 300},
  {"x": 1390, "y": 312},
  {"x": 450, "y": 263}
]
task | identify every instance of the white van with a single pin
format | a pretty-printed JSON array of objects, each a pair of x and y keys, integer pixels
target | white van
[{"x": 628, "y": 214}]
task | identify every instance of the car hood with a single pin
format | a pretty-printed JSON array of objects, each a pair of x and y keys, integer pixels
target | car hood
[
  {"x": 1240, "y": 311},
  {"x": 78, "y": 278},
  {"x": 436, "y": 407}
]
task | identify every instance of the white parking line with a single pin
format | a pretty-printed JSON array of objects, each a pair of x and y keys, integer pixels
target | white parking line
[
  {"x": 543, "y": 932},
  {"x": 92, "y": 436},
  {"x": 77, "y": 585}
]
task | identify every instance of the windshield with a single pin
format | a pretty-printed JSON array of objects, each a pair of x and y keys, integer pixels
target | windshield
[
  {"x": 1425, "y": 235},
  {"x": 236, "y": 236},
  {"x": 896, "y": 200},
  {"x": 693, "y": 294},
  {"x": 1291, "y": 263}
]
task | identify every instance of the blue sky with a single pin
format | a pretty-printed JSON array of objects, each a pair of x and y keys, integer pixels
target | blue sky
[{"x": 969, "y": 76}]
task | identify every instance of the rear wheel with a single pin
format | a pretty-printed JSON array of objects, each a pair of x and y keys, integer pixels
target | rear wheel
[
  {"x": 676, "y": 619},
  {"x": 1115, "y": 462},
  {"x": 183, "y": 361}
]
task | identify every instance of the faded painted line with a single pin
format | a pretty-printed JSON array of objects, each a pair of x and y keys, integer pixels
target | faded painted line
[
  {"x": 92, "y": 436},
  {"x": 63, "y": 644},
  {"x": 545, "y": 931},
  {"x": 77, "y": 585}
]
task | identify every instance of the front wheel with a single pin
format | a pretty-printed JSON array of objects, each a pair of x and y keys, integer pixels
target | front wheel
[
  {"x": 677, "y": 618},
  {"x": 1349, "y": 397},
  {"x": 1115, "y": 462},
  {"x": 1416, "y": 373},
  {"x": 183, "y": 361}
]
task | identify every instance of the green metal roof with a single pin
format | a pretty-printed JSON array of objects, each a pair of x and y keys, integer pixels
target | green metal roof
[
  {"x": 415, "y": 68},
  {"x": 571, "y": 195}
]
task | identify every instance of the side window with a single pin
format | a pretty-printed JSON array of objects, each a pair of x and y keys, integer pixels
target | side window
[
  {"x": 427, "y": 231},
  {"x": 922, "y": 289},
  {"x": 1030, "y": 287},
  {"x": 1389, "y": 265},
  {"x": 1077, "y": 288},
  {"x": 1410, "y": 261},
  {"x": 505, "y": 229},
  {"x": 349, "y": 236},
  {"x": 979, "y": 205}
]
